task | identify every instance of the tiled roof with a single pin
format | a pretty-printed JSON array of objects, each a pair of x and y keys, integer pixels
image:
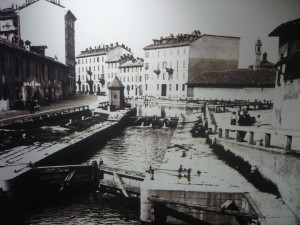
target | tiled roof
[
  {"x": 292, "y": 26},
  {"x": 131, "y": 63},
  {"x": 7, "y": 44},
  {"x": 116, "y": 83},
  {"x": 235, "y": 78}
]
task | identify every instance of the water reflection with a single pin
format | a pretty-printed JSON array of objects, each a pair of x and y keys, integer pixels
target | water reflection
[{"x": 136, "y": 148}]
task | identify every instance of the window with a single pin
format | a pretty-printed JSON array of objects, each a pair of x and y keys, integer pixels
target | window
[
  {"x": 94, "y": 60},
  {"x": 102, "y": 69},
  {"x": 164, "y": 76},
  {"x": 98, "y": 68},
  {"x": 102, "y": 59},
  {"x": 183, "y": 75},
  {"x": 115, "y": 96},
  {"x": 78, "y": 61},
  {"x": 164, "y": 65},
  {"x": 146, "y": 66},
  {"x": 132, "y": 87},
  {"x": 146, "y": 87},
  {"x": 146, "y": 77},
  {"x": 90, "y": 60},
  {"x": 170, "y": 87},
  {"x": 176, "y": 87},
  {"x": 97, "y": 59},
  {"x": 140, "y": 78},
  {"x": 94, "y": 68},
  {"x": 183, "y": 87},
  {"x": 158, "y": 87}
]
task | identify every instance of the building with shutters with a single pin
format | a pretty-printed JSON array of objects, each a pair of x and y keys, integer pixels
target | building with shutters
[{"x": 172, "y": 61}]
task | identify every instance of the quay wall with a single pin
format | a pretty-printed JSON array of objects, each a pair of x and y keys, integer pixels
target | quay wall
[
  {"x": 76, "y": 151},
  {"x": 280, "y": 168}
]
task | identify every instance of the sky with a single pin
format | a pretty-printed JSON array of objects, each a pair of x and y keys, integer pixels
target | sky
[{"x": 136, "y": 22}]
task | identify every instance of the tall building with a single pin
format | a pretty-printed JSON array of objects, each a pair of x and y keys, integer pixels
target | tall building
[
  {"x": 258, "y": 45},
  {"x": 170, "y": 62},
  {"x": 97, "y": 67},
  {"x": 46, "y": 22}
]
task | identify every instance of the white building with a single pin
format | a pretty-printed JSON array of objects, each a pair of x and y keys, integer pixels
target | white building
[
  {"x": 170, "y": 62},
  {"x": 131, "y": 74},
  {"x": 97, "y": 67},
  {"x": 46, "y": 22}
]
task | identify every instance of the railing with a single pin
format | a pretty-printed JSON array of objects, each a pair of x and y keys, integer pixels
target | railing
[
  {"x": 263, "y": 136},
  {"x": 41, "y": 114}
]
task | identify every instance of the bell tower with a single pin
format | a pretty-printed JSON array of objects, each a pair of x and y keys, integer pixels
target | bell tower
[{"x": 258, "y": 45}]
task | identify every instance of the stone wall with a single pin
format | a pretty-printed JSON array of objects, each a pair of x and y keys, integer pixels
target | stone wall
[{"x": 282, "y": 169}]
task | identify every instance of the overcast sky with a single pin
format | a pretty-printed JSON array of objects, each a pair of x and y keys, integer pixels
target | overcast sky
[{"x": 136, "y": 22}]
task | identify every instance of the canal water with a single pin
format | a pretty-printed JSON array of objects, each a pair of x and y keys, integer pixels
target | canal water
[{"x": 134, "y": 148}]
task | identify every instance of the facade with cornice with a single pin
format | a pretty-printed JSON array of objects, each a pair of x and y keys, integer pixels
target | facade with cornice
[
  {"x": 170, "y": 62},
  {"x": 97, "y": 67}
]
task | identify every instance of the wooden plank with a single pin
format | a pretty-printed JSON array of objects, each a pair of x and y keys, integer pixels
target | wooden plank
[
  {"x": 212, "y": 209},
  {"x": 120, "y": 184}
]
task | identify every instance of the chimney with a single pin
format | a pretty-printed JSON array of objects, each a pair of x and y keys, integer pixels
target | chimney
[{"x": 111, "y": 45}]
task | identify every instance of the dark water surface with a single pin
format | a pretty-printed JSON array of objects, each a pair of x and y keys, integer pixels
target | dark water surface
[{"x": 134, "y": 148}]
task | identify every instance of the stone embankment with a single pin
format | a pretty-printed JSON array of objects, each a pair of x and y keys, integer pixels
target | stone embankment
[{"x": 192, "y": 174}]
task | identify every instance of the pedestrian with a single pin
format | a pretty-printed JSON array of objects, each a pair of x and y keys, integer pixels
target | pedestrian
[{"x": 233, "y": 118}]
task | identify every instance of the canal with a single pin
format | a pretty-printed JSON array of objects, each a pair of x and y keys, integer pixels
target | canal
[{"x": 134, "y": 148}]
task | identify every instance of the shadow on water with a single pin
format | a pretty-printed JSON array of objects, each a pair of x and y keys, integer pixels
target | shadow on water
[
  {"x": 76, "y": 208},
  {"x": 244, "y": 168}
]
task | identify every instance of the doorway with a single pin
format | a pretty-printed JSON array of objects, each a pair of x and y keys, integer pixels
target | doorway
[{"x": 163, "y": 90}]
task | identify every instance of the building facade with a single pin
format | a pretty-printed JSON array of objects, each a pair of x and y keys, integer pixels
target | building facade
[
  {"x": 27, "y": 75},
  {"x": 56, "y": 32},
  {"x": 170, "y": 62},
  {"x": 287, "y": 93},
  {"x": 131, "y": 74},
  {"x": 10, "y": 25},
  {"x": 97, "y": 67}
]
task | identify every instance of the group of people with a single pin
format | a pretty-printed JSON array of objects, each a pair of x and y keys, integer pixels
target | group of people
[
  {"x": 244, "y": 119},
  {"x": 200, "y": 128}
]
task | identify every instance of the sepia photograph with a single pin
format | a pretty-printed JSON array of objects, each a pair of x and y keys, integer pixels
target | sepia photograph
[{"x": 150, "y": 112}]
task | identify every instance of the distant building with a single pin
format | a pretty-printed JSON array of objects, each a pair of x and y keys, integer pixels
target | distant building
[
  {"x": 287, "y": 92},
  {"x": 46, "y": 22},
  {"x": 131, "y": 75},
  {"x": 97, "y": 67},
  {"x": 242, "y": 84},
  {"x": 27, "y": 75},
  {"x": 170, "y": 62},
  {"x": 261, "y": 63}
]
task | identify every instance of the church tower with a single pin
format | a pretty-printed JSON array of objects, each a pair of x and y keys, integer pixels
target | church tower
[{"x": 258, "y": 45}]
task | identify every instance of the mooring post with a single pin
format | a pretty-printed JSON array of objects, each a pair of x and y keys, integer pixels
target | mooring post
[{"x": 95, "y": 174}]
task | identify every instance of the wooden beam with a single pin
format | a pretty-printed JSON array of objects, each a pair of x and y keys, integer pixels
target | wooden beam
[{"x": 212, "y": 209}]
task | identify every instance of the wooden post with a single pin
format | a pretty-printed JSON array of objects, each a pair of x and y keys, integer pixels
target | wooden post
[
  {"x": 288, "y": 143},
  {"x": 220, "y": 133},
  {"x": 95, "y": 174},
  {"x": 251, "y": 137},
  {"x": 226, "y": 133},
  {"x": 267, "y": 142},
  {"x": 238, "y": 136}
]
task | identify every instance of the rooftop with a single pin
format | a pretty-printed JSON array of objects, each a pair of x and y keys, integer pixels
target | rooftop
[
  {"x": 290, "y": 27},
  {"x": 178, "y": 41},
  {"x": 235, "y": 78}
]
